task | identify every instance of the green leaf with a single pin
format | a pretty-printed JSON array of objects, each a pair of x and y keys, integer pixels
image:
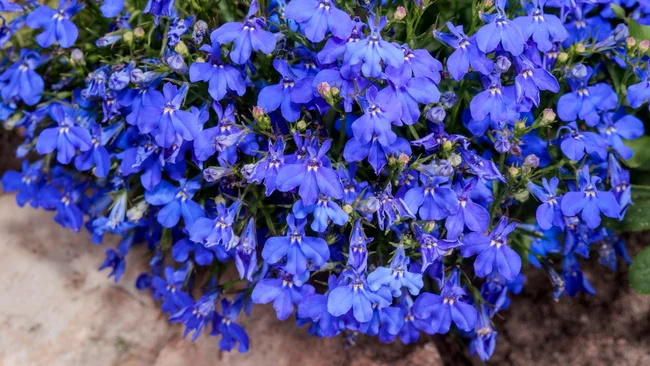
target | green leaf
[
  {"x": 641, "y": 158},
  {"x": 618, "y": 11},
  {"x": 638, "y": 32},
  {"x": 637, "y": 217},
  {"x": 639, "y": 275}
]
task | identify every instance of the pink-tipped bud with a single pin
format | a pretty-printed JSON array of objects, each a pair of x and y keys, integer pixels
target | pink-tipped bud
[{"x": 400, "y": 13}]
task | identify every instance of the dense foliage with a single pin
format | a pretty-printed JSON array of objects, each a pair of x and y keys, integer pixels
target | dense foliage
[{"x": 383, "y": 168}]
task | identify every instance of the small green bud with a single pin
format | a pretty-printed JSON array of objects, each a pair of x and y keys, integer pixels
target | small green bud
[
  {"x": 139, "y": 32},
  {"x": 128, "y": 37},
  {"x": 181, "y": 48}
]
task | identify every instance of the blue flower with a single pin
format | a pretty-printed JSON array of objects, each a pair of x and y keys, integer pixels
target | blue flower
[
  {"x": 7, "y": 6},
  {"x": 391, "y": 209},
  {"x": 160, "y": 8},
  {"x": 575, "y": 143},
  {"x": 97, "y": 156},
  {"x": 467, "y": 53},
  {"x": 493, "y": 251},
  {"x": 495, "y": 101},
  {"x": 217, "y": 231},
  {"x": 115, "y": 222},
  {"x": 500, "y": 30},
  {"x": 396, "y": 276},
  {"x": 376, "y": 153},
  {"x": 353, "y": 293},
  {"x": 434, "y": 200},
  {"x": 56, "y": 24},
  {"x": 484, "y": 339},
  {"x": 532, "y": 79},
  {"x": 177, "y": 28},
  {"x": 314, "y": 177},
  {"x": 417, "y": 63},
  {"x": 549, "y": 212},
  {"x": 409, "y": 91},
  {"x": 266, "y": 169},
  {"x": 220, "y": 76},
  {"x": 450, "y": 305},
  {"x": 24, "y": 82},
  {"x": 246, "y": 252},
  {"x": 314, "y": 307},
  {"x": 112, "y": 8},
  {"x": 432, "y": 248},
  {"x": 381, "y": 109},
  {"x": 323, "y": 210},
  {"x": 621, "y": 185},
  {"x": 358, "y": 252},
  {"x": 196, "y": 315},
  {"x": 247, "y": 36},
  {"x": 26, "y": 183},
  {"x": 575, "y": 280},
  {"x": 349, "y": 82},
  {"x": 545, "y": 29},
  {"x": 637, "y": 94},
  {"x": 298, "y": 248},
  {"x": 231, "y": 332},
  {"x": 590, "y": 201},
  {"x": 66, "y": 138},
  {"x": 170, "y": 289},
  {"x": 373, "y": 50},
  {"x": 317, "y": 16},
  {"x": 177, "y": 202},
  {"x": 163, "y": 117},
  {"x": 285, "y": 291},
  {"x": 115, "y": 262},
  {"x": 584, "y": 101},
  {"x": 202, "y": 256},
  {"x": 626, "y": 127},
  {"x": 288, "y": 94}
]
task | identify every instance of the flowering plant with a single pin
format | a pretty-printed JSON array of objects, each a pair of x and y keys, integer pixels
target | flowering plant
[{"x": 365, "y": 169}]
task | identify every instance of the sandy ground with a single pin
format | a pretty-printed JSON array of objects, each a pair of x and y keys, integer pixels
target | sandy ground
[{"x": 57, "y": 309}]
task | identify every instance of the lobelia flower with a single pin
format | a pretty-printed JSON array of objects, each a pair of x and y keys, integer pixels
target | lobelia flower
[
  {"x": 531, "y": 80},
  {"x": 197, "y": 314},
  {"x": 115, "y": 262},
  {"x": 66, "y": 138},
  {"x": 177, "y": 28},
  {"x": 467, "y": 53},
  {"x": 56, "y": 24},
  {"x": 483, "y": 168},
  {"x": 287, "y": 95},
  {"x": 432, "y": 248},
  {"x": 202, "y": 256},
  {"x": 576, "y": 143},
  {"x": 381, "y": 110},
  {"x": 493, "y": 251},
  {"x": 574, "y": 279},
  {"x": 549, "y": 212},
  {"x": 434, "y": 200},
  {"x": 112, "y": 8},
  {"x": 371, "y": 51},
  {"x": 500, "y": 30},
  {"x": 590, "y": 201},
  {"x": 160, "y": 8},
  {"x": 116, "y": 222},
  {"x": 177, "y": 202},
  {"x": 8, "y": 30},
  {"x": 163, "y": 118},
  {"x": 349, "y": 82},
  {"x": 626, "y": 127},
  {"x": 323, "y": 210},
  {"x": 584, "y": 101},
  {"x": 351, "y": 188},
  {"x": 314, "y": 177},
  {"x": 246, "y": 252},
  {"x": 297, "y": 248},
  {"x": 409, "y": 91},
  {"x": 231, "y": 332},
  {"x": 353, "y": 293},
  {"x": 266, "y": 170},
  {"x": 391, "y": 209},
  {"x": 23, "y": 81},
  {"x": 314, "y": 307},
  {"x": 496, "y": 101},
  {"x": 484, "y": 337},
  {"x": 620, "y": 182},
  {"x": 397, "y": 276},
  {"x": 217, "y": 231},
  {"x": 247, "y": 36},
  {"x": 316, "y": 17},
  {"x": 26, "y": 182},
  {"x": 417, "y": 63},
  {"x": 334, "y": 48},
  {"x": 546, "y": 29},
  {"x": 7, "y": 6},
  {"x": 637, "y": 94},
  {"x": 358, "y": 252},
  {"x": 170, "y": 289},
  {"x": 220, "y": 76},
  {"x": 406, "y": 324},
  {"x": 450, "y": 305},
  {"x": 98, "y": 156},
  {"x": 285, "y": 291}
]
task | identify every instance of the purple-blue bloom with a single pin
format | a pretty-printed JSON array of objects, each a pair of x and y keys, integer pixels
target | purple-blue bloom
[
  {"x": 316, "y": 17},
  {"x": 545, "y": 29},
  {"x": 177, "y": 202},
  {"x": 371, "y": 51},
  {"x": 353, "y": 293},
  {"x": 493, "y": 251},
  {"x": 66, "y": 138},
  {"x": 231, "y": 332},
  {"x": 435, "y": 200},
  {"x": 288, "y": 94},
  {"x": 221, "y": 77},
  {"x": 323, "y": 210},
  {"x": 160, "y": 8},
  {"x": 500, "y": 30},
  {"x": 23, "y": 80},
  {"x": 576, "y": 143},
  {"x": 217, "y": 231},
  {"x": 467, "y": 53},
  {"x": 618, "y": 126},
  {"x": 396, "y": 276},
  {"x": 286, "y": 290},
  {"x": 549, "y": 212},
  {"x": 590, "y": 201},
  {"x": 56, "y": 24},
  {"x": 585, "y": 101}
]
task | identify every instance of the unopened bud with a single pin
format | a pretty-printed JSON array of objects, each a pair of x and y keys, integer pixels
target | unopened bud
[
  {"x": 301, "y": 125},
  {"x": 262, "y": 119},
  {"x": 400, "y": 13},
  {"x": 369, "y": 206},
  {"x": 522, "y": 196},
  {"x": 502, "y": 65},
  {"x": 176, "y": 62},
  {"x": 200, "y": 59},
  {"x": 548, "y": 117},
  {"x": 324, "y": 90},
  {"x": 447, "y": 145},
  {"x": 335, "y": 92},
  {"x": 520, "y": 126},
  {"x": 580, "y": 48},
  {"x": 513, "y": 171},
  {"x": 347, "y": 209},
  {"x": 488, "y": 3},
  {"x": 128, "y": 37},
  {"x": 562, "y": 57},
  {"x": 136, "y": 212},
  {"x": 139, "y": 32},
  {"x": 403, "y": 159},
  {"x": 181, "y": 48},
  {"x": 215, "y": 173},
  {"x": 436, "y": 114},
  {"x": 77, "y": 56},
  {"x": 429, "y": 226},
  {"x": 455, "y": 160},
  {"x": 531, "y": 161},
  {"x": 630, "y": 42},
  {"x": 248, "y": 170},
  {"x": 644, "y": 46}
]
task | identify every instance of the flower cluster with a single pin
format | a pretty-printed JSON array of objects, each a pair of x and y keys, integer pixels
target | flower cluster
[{"x": 362, "y": 169}]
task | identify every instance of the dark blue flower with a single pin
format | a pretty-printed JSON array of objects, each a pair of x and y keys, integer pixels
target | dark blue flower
[
  {"x": 409, "y": 91},
  {"x": 484, "y": 338},
  {"x": 112, "y": 8},
  {"x": 545, "y": 29},
  {"x": 391, "y": 209},
  {"x": 353, "y": 293},
  {"x": 288, "y": 94},
  {"x": 115, "y": 262},
  {"x": 432, "y": 248},
  {"x": 585, "y": 101},
  {"x": 285, "y": 291},
  {"x": 575, "y": 279},
  {"x": 23, "y": 81},
  {"x": 450, "y": 305},
  {"x": 371, "y": 51},
  {"x": 217, "y": 231},
  {"x": 549, "y": 212},
  {"x": 246, "y": 252},
  {"x": 500, "y": 30},
  {"x": 493, "y": 251},
  {"x": 496, "y": 101},
  {"x": 231, "y": 332},
  {"x": 56, "y": 24},
  {"x": 377, "y": 154},
  {"x": 637, "y": 94},
  {"x": 323, "y": 210},
  {"x": 26, "y": 183},
  {"x": 266, "y": 170},
  {"x": 220, "y": 76},
  {"x": 317, "y": 16},
  {"x": 618, "y": 126},
  {"x": 315, "y": 176},
  {"x": 66, "y": 138},
  {"x": 97, "y": 158},
  {"x": 7, "y": 6},
  {"x": 202, "y": 256},
  {"x": 297, "y": 247},
  {"x": 159, "y": 8},
  {"x": 531, "y": 80},
  {"x": 467, "y": 53},
  {"x": 247, "y": 36},
  {"x": 196, "y": 315},
  {"x": 435, "y": 200},
  {"x": 575, "y": 143},
  {"x": 358, "y": 251},
  {"x": 177, "y": 202},
  {"x": 590, "y": 201},
  {"x": 170, "y": 289}
]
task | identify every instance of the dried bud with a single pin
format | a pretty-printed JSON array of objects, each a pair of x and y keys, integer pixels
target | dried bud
[
  {"x": 77, "y": 56},
  {"x": 369, "y": 206},
  {"x": 247, "y": 170},
  {"x": 503, "y": 64},
  {"x": 548, "y": 117},
  {"x": 139, "y": 32},
  {"x": 181, "y": 48},
  {"x": 644, "y": 46},
  {"x": 531, "y": 161},
  {"x": 136, "y": 212},
  {"x": 400, "y": 13},
  {"x": 215, "y": 173},
  {"x": 522, "y": 196},
  {"x": 455, "y": 160},
  {"x": 262, "y": 119}
]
